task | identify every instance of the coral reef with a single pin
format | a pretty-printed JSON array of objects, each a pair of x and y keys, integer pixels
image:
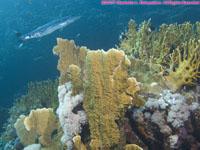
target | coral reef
[
  {"x": 130, "y": 98},
  {"x": 96, "y": 144},
  {"x": 41, "y": 123},
  {"x": 39, "y": 95},
  {"x": 108, "y": 92},
  {"x": 177, "y": 44},
  {"x": 166, "y": 61},
  {"x": 168, "y": 115}
]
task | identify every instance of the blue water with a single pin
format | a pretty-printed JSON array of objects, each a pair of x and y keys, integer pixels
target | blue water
[{"x": 99, "y": 28}]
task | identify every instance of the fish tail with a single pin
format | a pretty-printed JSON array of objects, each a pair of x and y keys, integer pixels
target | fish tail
[
  {"x": 21, "y": 41},
  {"x": 20, "y": 37}
]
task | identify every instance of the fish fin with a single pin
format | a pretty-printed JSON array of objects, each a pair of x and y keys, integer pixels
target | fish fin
[
  {"x": 20, "y": 38},
  {"x": 20, "y": 45},
  {"x": 18, "y": 34}
]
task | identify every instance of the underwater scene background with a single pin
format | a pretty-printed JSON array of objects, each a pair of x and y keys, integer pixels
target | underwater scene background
[{"x": 29, "y": 76}]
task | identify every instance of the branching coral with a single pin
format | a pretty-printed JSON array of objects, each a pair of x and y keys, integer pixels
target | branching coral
[
  {"x": 157, "y": 47},
  {"x": 198, "y": 29},
  {"x": 137, "y": 43},
  {"x": 127, "y": 43},
  {"x": 185, "y": 65}
]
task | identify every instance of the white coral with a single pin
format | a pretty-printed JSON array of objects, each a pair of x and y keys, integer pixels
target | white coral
[
  {"x": 175, "y": 104},
  {"x": 158, "y": 119},
  {"x": 70, "y": 122},
  {"x": 173, "y": 139},
  {"x": 33, "y": 147}
]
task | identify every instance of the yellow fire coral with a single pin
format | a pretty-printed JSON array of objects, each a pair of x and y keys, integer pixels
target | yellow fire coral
[
  {"x": 107, "y": 93},
  {"x": 127, "y": 44},
  {"x": 155, "y": 47},
  {"x": 148, "y": 75},
  {"x": 187, "y": 72},
  {"x": 75, "y": 79},
  {"x": 198, "y": 29},
  {"x": 69, "y": 54},
  {"x": 133, "y": 147},
  {"x": 44, "y": 122},
  {"x": 26, "y": 137},
  {"x": 94, "y": 144},
  {"x": 77, "y": 143}
]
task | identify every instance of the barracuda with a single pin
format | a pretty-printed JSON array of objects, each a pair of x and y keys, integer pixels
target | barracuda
[{"x": 47, "y": 28}]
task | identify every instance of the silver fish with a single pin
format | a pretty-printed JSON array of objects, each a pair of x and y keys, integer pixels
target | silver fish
[{"x": 47, "y": 28}]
